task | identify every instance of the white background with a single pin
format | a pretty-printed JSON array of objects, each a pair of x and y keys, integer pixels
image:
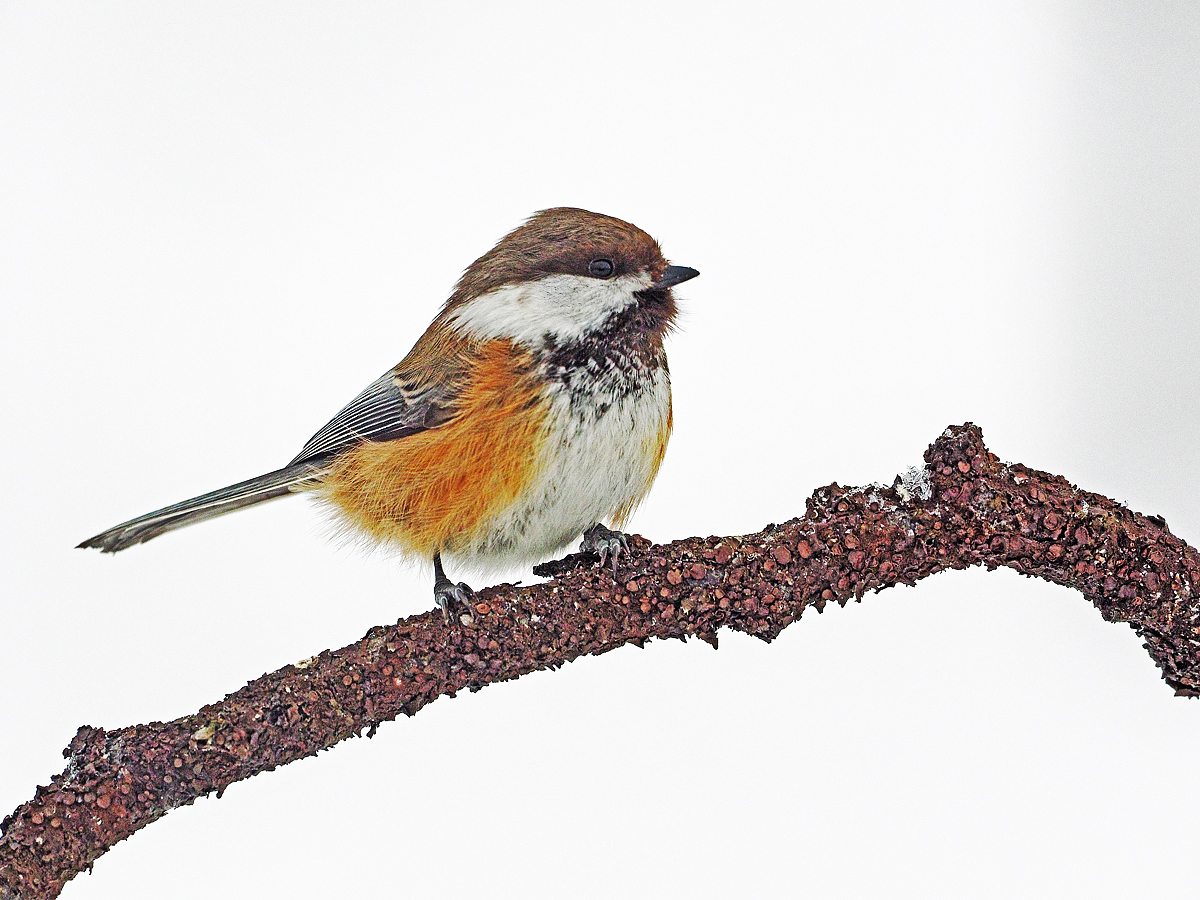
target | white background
[{"x": 219, "y": 221}]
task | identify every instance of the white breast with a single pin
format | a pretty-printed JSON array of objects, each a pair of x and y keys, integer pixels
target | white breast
[
  {"x": 600, "y": 457},
  {"x": 606, "y": 415}
]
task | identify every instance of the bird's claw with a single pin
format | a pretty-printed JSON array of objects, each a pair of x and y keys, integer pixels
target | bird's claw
[
  {"x": 607, "y": 543},
  {"x": 446, "y": 594}
]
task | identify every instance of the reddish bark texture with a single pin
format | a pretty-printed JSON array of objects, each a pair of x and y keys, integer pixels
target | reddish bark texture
[{"x": 964, "y": 509}]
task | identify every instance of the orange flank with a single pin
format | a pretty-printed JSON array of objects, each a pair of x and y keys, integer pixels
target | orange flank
[{"x": 439, "y": 490}]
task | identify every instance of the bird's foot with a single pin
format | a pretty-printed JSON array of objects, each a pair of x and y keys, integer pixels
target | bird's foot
[
  {"x": 605, "y": 542},
  {"x": 447, "y": 594}
]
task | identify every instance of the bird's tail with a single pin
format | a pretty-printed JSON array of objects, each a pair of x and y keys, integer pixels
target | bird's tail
[{"x": 207, "y": 506}]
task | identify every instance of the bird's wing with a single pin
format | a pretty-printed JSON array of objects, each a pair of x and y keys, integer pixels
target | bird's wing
[
  {"x": 420, "y": 393},
  {"x": 393, "y": 406}
]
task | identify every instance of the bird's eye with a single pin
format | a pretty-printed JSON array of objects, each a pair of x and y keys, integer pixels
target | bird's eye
[{"x": 600, "y": 268}]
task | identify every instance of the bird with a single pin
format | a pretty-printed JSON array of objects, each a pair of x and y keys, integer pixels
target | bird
[{"x": 534, "y": 408}]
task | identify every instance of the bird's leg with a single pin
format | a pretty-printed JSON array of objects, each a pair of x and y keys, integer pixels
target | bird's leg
[
  {"x": 445, "y": 592},
  {"x": 605, "y": 542}
]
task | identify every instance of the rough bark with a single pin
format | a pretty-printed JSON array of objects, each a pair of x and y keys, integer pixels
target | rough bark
[{"x": 965, "y": 508}]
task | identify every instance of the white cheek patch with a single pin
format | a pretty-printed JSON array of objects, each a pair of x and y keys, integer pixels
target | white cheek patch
[{"x": 563, "y": 306}]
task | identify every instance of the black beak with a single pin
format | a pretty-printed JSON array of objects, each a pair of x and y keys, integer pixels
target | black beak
[{"x": 674, "y": 275}]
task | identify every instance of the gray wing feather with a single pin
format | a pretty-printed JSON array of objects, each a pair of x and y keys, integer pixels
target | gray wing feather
[
  {"x": 386, "y": 410},
  {"x": 389, "y": 408}
]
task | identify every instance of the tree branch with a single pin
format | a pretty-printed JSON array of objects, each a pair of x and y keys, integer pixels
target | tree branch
[{"x": 963, "y": 509}]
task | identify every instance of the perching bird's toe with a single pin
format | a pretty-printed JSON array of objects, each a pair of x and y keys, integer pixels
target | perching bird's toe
[{"x": 605, "y": 542}]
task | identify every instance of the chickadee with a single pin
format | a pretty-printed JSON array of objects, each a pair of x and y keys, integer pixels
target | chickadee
[{"x": 536, "y": 404}]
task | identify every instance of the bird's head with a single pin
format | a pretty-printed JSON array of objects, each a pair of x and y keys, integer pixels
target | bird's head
[{"x": 565, "y": 274}]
